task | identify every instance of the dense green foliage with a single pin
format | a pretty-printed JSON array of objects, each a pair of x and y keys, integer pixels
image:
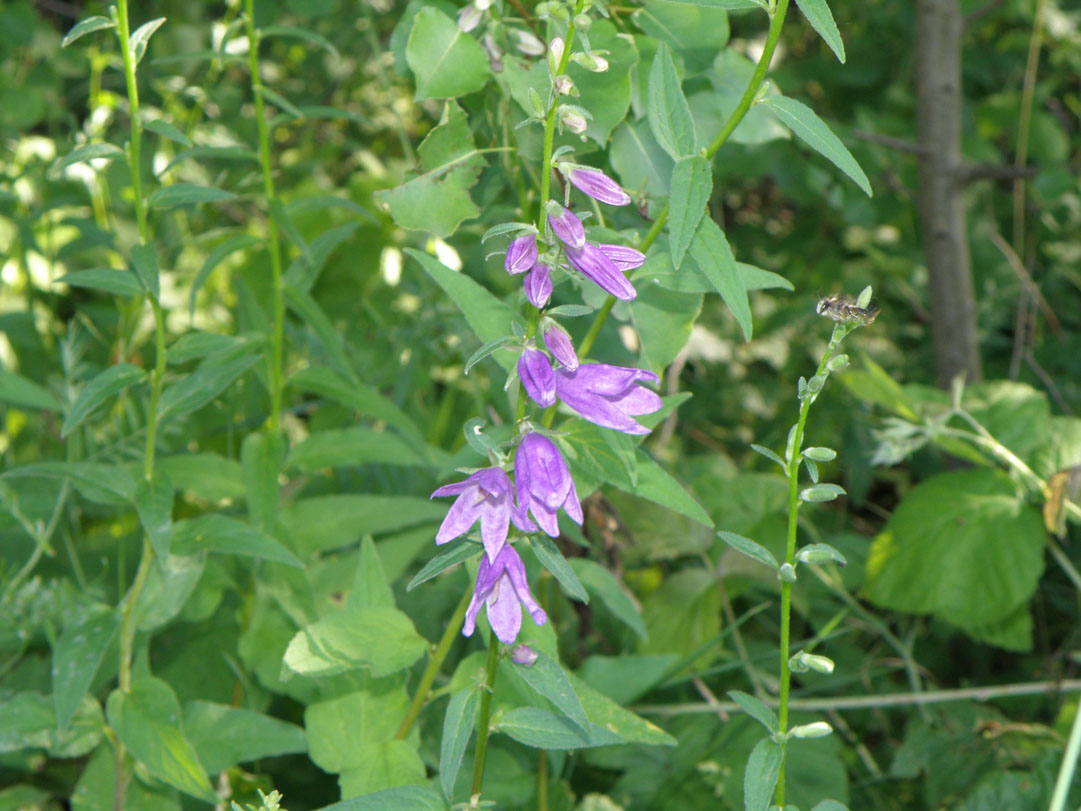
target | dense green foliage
[{"x": 317, "y": 319}]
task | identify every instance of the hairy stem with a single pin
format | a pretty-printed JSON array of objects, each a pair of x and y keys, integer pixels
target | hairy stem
[{"x": 484, "y": 720}]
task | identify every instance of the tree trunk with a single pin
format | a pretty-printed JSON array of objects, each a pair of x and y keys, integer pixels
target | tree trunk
[{"x": 939, "y": 27}]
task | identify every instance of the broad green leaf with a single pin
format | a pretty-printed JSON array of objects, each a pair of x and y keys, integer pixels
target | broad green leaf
[
  {"x": 813, "y": 131},
  {"x": 141, "y": 36},
  {"x": 355, "y": 395},
  {"x": 595, "y": 458},
  {"x": 689, "y": 191},
  {"x": 415, "y": 798},
  {"x": 370, "y": 586},
  {"x": 198, "y": 345},
  {"x": 207, "y": 475},
  {"x": 546, "y": 677},
  {"x": 216, "y": 257},
  {"x": 383, "y": 640},
  {"x": 711, "y": 252},
  {"x": 655, "y": 484},
  {"x": 694, "y": 33},
  {"x": 664, "y": 320},
  {"x": 462, "y": 550},
  {"x": 552, "y": 559},
  {"x": 293, "y": 32},
  {"x": 757, "y": 279},
  {"x": 961, "y": 546},
  {"x": 336, "y": 727},
  {"x": 626, "y": 678},
  {"x": 23, "y": 796},
  {"x": 183, "y": 194},
  {"x": 756, "y": 709},
  {"x": 147, "y": 720},
  {"x": 446, "y": 61},
  {"x": 437, "y": 200},
  {"x": 159, "y": 126},
  {"x": 84, "y": 27},
  {"x": 22, "y": 392},
  {"x": 144, "y": 259},
  {"x": 750, "y": 548},
  {"x": 210, "y": 378},
  {"x": 601, "y": 583},
  {"x": 77, "y": 655},
  {"x": 27, "y": 722},
  {"x": 85, "y": 153},
  {"x": 639, "y": 160},
  {"x": 154, "y": 504},
  {"x": 95, "y": 789},
  {"x": 118, "y": 282},
  {"x": 381, "y": 766},
  {"x": 543, "y": 729},
  {"x": 820, "y": 17},
  {"x": 261, "y": 457},
  {"x": 669, "y": 116},
  {"x": 102, "y": 484},
  {"x": 104, "y": 385},
  {"x": 760, "y": 776},
  {"x": 328, "y": 522},
  {"x": 458, "y": 724},
  {"x": 168, "y": 586},
  {"x": 214, "y": 532},
  {"x": 488, "y": 316},
  {"x": 224, "y": 736}
]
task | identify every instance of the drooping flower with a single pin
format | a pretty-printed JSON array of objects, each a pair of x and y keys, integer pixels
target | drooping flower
[
  {"x": 521, "y": 254},
  {"x": 503, "y": 587},
  {"x": 566, "y": 225},
  {"x": 538, "y": 285},
  {"x": 559, "y": 344},
  {"x": 597, "y": 185},
  {"x": 484, "y": 496},
  {"x": 622, "y": 256},
  {"x": 537, "y": 376},
  {"x": 544, "y": 483},
  {"x": 595, "y": 265},
  {"x": 608, "y": 395}
]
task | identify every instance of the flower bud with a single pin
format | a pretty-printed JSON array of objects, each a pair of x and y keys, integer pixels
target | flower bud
[
  {"x": 623, "y": 257},
  {"x": 469, "y": 17},
  {"x": 537, "y": 104},
  {"x": 583, "y": 22},
  {"x": 564, "y": 86},
  {"x": 538, "y": 378},
  {"x": 566, "y": 225},
  {"x": 521, "y": 254},
  {"x": 555, "y": 55},
  {"x": 597, "y": 185},
  {"x": 786, "y": 573},
  {"x": 495, "y": 53},
  {"x": 538, "y": 285},
  {"x": 558, "y": 342},
  {"x": 803, "y": 661},
  {"x": 839, "y": 362},
  {"x": 819, "y": 729},
  {"x": 529, "y": 44},
  {"x": 591, "y": 62},
  {"x": 523, "y": 655},
  {"x": 573, "y": 120}
]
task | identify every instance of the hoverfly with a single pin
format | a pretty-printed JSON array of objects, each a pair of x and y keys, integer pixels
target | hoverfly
[{"x": 840, "y": 307}]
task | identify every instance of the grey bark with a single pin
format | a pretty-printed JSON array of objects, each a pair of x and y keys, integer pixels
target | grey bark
[{"x": 939, "y": 26}]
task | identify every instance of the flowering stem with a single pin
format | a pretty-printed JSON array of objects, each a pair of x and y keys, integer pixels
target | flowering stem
[
  {"x": 434, "y": 663},
  {"x": 790, "y": 553},
  {"x": 485, "y": 716},
  {"x": 276, "y": 336}
]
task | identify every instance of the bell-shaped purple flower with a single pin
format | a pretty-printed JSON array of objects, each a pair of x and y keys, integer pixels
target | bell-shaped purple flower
[
  {"x": 597, "y": 185},
  {"x": 622, "y": 256},
  {"x": 566, "y": 225},
  {"x": 594, "y": 264},
  {"x": 608, "y": 395},
  {"x": 544, "y": 483},
  {"x": 538, "y": 285},
  {"x": 521, "y": 254},
  {"x": 484, "y": 496},
  {"x": 559, "y": 344},
  {"x": 537, "y": 376},
  {"x": 503, "y": 587}
]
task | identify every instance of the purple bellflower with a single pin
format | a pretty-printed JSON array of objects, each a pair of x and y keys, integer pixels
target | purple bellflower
[
  {"x": 537, "y": 376},
  {"x": 566, "y": 225},
  {"x": 597, "y": 185},
  {"x": 503, "y": 587},
  {"x": 538, "y": 285},
  {"x": 608, "y": 395},
  {"x": 484, "y": 496},
  {"x": 595, "y": 265},
  {"x": 521, "y": 254},
  {"x": 623, "y": 257},
  {"x": 544, "y": 483},
  {"x": 559, "y": 344}
]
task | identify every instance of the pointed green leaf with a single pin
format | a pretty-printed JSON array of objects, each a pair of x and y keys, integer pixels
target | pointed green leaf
[
  {"x": 712, "y": 254},
  {"x": 542, "y": 729},
  {"x": 756, "y": 709},
  {"x": 168, "y": 586},
  {"x": 811, "y": 129},
  {"x": 214, "y": 532},
  {"x": 117, "y": 282},
  {"x": 749, "y": 548},
  {"x": 690, "y": 188},
  {"x": 370, "y": 586},
  {"x": 285, "y": 222},
  {"x": 77, "y": 655},
  {"x": 381, "y": 766},
  {"x": 415, "y": 798},
  {"x": 216, "y": 257},
  {"x": 107, "y": 383},
  {"x": 159, "y": 126},
  {"x": 306, "y": 307},
  {"x": 355, "y": 395},
  {"x": 144, "y": 259},
  {"x": 85, "y": 153},
  {"x": 141, "y": 36},
  {"x": 25, "y": 393},
  {"x": 102, "y": 484},
  {"x": 224, "y": 736},
  {"x": 336, "y": 727},
  {"x": 552, "y": 559},
  {"x": 446, "y": 61},
  {"x": 458, "y": 725},
  {"x": 820, "y": 17},
  {"x": 183, "y": 194},
  {"x": 669, "y": 115},
  {"x": 601, "y": 583},
  {"x": 460, "y": 551},
  {"x": 657, "y": 485},
  {"x": 760, "y": 776},
  {"x": 291, "y": 31},
  {"x": 546, "y": 677},
  {"x": 84, "y": 27},
  {"x": 210, "y": 378},
  {"x": 383, "y": 640},
  {"x": 261, "y": 458},
  {"x": 350, "y": 447},
  {"x": 332, "y": 521},
  {"x": 281, "y": 102}
]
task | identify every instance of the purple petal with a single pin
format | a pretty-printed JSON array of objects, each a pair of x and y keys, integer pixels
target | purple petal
[
  {"x": 493, "y": 480},
  {"x": 566, "y": 225},
  {"x": 593, "y": 264},
  {"x": 504, "y": 611},
  {"x": 545, "y": 517},
  {"x": 638, "y": 400},
  {"x": 623, "y": 257},
  {"x": 603, "y": 378},
  {"x": 539, "y": 465},
  {"x": 573, "y": 507},
  {"x": 601, "y": 412},
  {"x": 462, "y": 514},
  {"x": 559, "y": 344},
  {"x": 494, "y": 524},
  {"x": 515, "y": 571},
  {"x": 538, "y": 285},
  {"x": 537, "y": 376},
  {"x": 480, "y": 592},
  {"x": 598, "y": 185},
  {"x": 521, "y": 254}
]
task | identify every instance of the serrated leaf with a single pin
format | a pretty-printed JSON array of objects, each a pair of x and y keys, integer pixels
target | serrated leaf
[
  {"x": 216, "y": 257},
  {"x": 117, "y": 282},
  {"x": 22, "y": 392},
  {"x": 813, "y": 131},
  {"x": 154, "y": 505},
  {"x": 820, "y": 17},
  {"x": 107, "y": 383},
  {"x": 85, "y": 153},
  {"x": 713, "y": 255},
  {"x": 159, "y": 126},
  {"x": 144, "y": 259},
  {"x": 461, "y": 551},
  {"x": 750, "y": 548},
  {"x": 84, "y": 27},
  {"x": 183, "y": 194},
  {"x": 756, "y": 709},
  {"x": 760, "y": 776},
  {"x": 669, "y": 115},
  {"x": 141, "y": 36},
  {"x": 77, "y": 655},
  {"x": 446, "y": 61},
  {"x": 214, "y": 532},
  {"x": 458, "y": 723},
  {"x": 690, "y": 188},
  {"x": 293, "y": 32},
  {"x": 552, "y": 559}
]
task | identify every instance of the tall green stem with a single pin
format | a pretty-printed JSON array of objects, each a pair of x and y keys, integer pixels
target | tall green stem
[
  {"x": 485, "y": 718},
  {"x": 277, "y": 292}
]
